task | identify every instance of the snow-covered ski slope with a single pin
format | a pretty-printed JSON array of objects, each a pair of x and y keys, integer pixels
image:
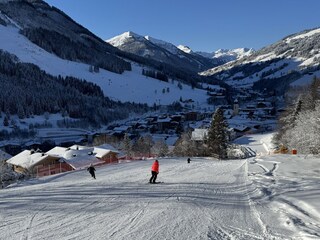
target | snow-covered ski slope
[{"x": 267, "y": 197}]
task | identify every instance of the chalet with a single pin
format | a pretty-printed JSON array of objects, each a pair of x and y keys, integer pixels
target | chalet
[
  {"x": 76, "y": 156},
  {"x": 81, "y": 159},
  {"x": 106, "y": 153},
  {"x": 37, "y": 163}
]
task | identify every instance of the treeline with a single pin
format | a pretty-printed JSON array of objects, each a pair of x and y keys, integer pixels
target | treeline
[
  {"x": 280, "y": 84},
  {"x": 27, "y": 91},
  {"x": 88, "y": 51},
  {"x": 155, "y": 74},
  {"x": 178, "y": 73},
  {"x": 299, "y": 127}
]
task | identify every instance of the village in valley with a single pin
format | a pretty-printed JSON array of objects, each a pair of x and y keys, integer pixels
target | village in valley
[{"x": 251, "y": 112}]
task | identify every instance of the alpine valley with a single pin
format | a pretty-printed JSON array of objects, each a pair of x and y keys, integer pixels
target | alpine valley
[{"x": 57, "y": 74}]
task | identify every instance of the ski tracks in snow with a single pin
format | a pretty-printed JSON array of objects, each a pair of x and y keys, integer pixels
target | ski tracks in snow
[
  {"x": 206, "y": 199},
  {"x": 300, "y": 219},
  {"x": 28, "y": 230}
]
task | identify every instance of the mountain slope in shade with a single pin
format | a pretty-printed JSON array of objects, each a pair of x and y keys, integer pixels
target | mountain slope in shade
[
  {"x": 43, "y": 35},
  {"x": 292, "y": 60},
  {"x": 162, "y": 51}
]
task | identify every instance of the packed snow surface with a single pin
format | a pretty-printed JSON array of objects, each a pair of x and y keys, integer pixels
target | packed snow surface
[{"x": 266, "y": 197}]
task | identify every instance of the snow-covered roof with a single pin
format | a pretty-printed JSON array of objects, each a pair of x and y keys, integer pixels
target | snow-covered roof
[
  {"x": 103, "y": 150},
  {"x": 79, "y": 147},
  {"x": 57, "y": 151},
  {"x": 82, "y": 161},
  {"x": 100, "y": 153},
  {"x": 27, "y": 159},
  {"x": 76, "y": 156}
]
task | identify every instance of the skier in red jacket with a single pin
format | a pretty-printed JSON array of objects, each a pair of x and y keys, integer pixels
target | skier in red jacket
[{"x": 154, "y": 171}]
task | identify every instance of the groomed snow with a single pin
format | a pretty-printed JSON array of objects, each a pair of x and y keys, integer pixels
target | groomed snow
[{"x": 267, "y": 197}]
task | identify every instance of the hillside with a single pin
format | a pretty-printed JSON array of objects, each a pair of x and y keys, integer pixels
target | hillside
[
  {"x": 267, "y": 197},
  {"x": 56, "y": 44},
  {"x": 46, "y": 43},
  {"x": 293, "y": 60}
]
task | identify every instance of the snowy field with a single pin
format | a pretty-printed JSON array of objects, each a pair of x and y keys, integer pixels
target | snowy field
[{"x": 267, "y": 197}]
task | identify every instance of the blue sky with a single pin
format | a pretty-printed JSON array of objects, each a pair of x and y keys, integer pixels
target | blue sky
[{"x": 203, "y": 25}]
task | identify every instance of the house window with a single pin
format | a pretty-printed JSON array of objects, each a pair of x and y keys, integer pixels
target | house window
[{"x": 52, "y": 172}]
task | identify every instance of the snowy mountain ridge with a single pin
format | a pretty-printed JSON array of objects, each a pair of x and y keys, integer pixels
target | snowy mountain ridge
[
  {"x": 237, "y": 53},
  {"x": 294, "y": 60},
  {"x": 166, "y": 45},
  {"x": 226, "y": 55},
  {"x": 159, "y": 50},
  {"x": 126, "y": 37},
  {"x": 123, "y": 38}
]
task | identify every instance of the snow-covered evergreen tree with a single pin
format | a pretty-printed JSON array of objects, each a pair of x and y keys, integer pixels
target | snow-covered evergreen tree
[
  {"x": 299, "y": 127},
  {"x": 218, "y": 136}
]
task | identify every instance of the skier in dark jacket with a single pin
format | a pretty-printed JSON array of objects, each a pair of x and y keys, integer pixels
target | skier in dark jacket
[{"x": 91, "y": 170}]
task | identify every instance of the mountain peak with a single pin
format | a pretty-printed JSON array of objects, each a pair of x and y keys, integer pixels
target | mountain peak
[
  {"x": 123, "y": 38},
  {"x": 131, "y": 34}
]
